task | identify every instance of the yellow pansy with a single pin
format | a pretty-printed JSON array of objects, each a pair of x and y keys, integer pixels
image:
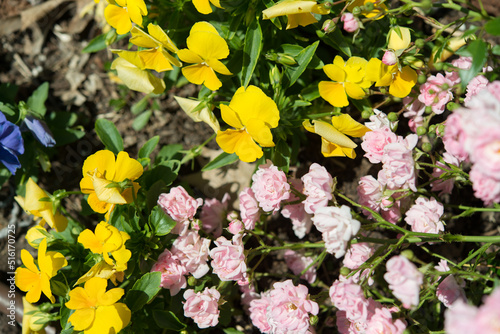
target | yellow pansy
[
  {"x": 36, "y": 279},
  {"x": 204, "y": 48},
  {"x": 121, "y": 17},
  {"x": 348, "y": 80},
  {"x": 155, "y": 57},
  {"x": 28, "y": 312},
  {"x": 298, "y": 13},
  {"x": 398, "y": 39},
  {"x": 253, "y": 114},
  {"x": 400, "y": 81},
  {"x": 35, "y": 235},
  {"x": 130, "y": 69},
  {"x": 97, "y": 310},
  {"x": 38, "y": 204},
  {"x": 101, "y": 175},
  {"x": 203, "y": 6},
  {"x": 192, "y": 109},
  {"x": 376, "y": 13},
  {"x": 335, "y": 142}
]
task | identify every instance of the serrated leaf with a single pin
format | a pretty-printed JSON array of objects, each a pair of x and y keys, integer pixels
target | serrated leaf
[
  {"x": 493, "y": 27},
  {"x": 36, "y": 102},
  {"x": 148, "y": 147},
  {"x": 141, "y": 120},
  {"x": 143, "y": 291},
  {"x": 109, "y": 135},
  {"x": 161, "y": 222},
  {"x": 251, "y": 51},
  {"x": 303, "y": 59},
  {"x": 221, "y": 160}
]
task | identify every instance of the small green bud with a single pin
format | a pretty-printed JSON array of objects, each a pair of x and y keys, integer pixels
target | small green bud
[
  {"x": 427, "y": 147},
  {"x": 111, "y": 37},
  {"x": 422, "y": 78},
  {"x": 452, "y": 106},
  {"x": 432, "y": 128},
  {"x": 356, "y": 11},
  {"x": 328, "y": 26},
  {"x": 421, "y": 131},
  {"x": 428, "y": 109},
  {"x": 327, "y": 5},
  {"x": 408, "y": 253},
  {"x": 366, "y": 114},
  {"x": 344, "y": 271},
  {"x": 393, "y": 117},
  {"x": 286, "y": 59},
  {"x": 192, "y": 281},
  {"x": 313, "y": 320},
  {"x": 420, "y": 43},
  {"x": 440, "y": 130},
  {"x": 438, "y": 66},
  {"x": 368, "y": 7}
]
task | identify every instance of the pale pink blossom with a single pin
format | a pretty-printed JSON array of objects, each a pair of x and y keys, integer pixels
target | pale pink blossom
[
  {"x": 454, "y": 136},
  {"x": 290, "y": 308},
  {"x": 444, "y": 185},
  {"x": 213, "y": 214},
  {"x": 448, "y": 291},
  {"x": 488, "y": 315},
  {"x": 389, "y": 58},
  {"x": 382, "y": 322},
  {"x": 477, "y": 84},
  {"x": 442, "y": 266},
  {"x": 192, "y": 252},
  {"x": 297, "y": 263},
  {"x": 228, "y": 260},
  {"x": 436, "y": 93},
  {"x": 370, "y": 194},
  {"x": 249, "y": 208},
  {"x": 486, "y": 153},
  {"x": 351, "y": 23},
  {"x": 485, "y": 188},
  {"x": 179, "y": 205},
  {"x": 318, "y": 187},
  {"x": 463, "y": 63},
  {"x": 258, "y": 312},
  {"x": 337, "y": 228},
  {"x": 348, "y": 296},
  {"x": 398, "y": 166},
  {"x": 172, "y": 272},
  {"x": 355, "y": 256},
  {"x": 404, "y": 280},
  {"x": 236, "y": 226},
  {"x": 202, "y": 307},
  {"x": 494, "y": 89},
  {"x": 301, "y": 220},
  {"x": 425, "y": 216},
  {"x": 270, "y": 187},
  {"x": 460, "y": 319},
  {"x": 375, "y": 141},
  {"x": 379, "y": 121},
  {"x": 414, "y": 110},
  {"x": 247, "y": 295}
]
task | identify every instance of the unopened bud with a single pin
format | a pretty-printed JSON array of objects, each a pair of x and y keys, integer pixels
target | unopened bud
[
  {"x": 356, "y": 10},
  {"x": 407, "y": 253},
  {"x": 421, "y": 131},
  {"x": 366, "y": 114},
  {"x": 427, "y": 147},
  {"x": 329, "y": 26},
  {"x": 368, "y": 7},
  {"x": 344, "y": 271},
  {"x": 110, "y": 37},
  {"x": 422, "y": 78},
  {"x": 235, "y": 227},
  {"x": 389, "y": 58},
  {"x": 393, "y": 117},
  {"x": 420, "y": 43}
]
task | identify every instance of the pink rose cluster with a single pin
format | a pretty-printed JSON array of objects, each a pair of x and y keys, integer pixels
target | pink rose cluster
[
  {"x": 202, "y": 307},
  {"x": 425, "y": 216},
  {"x": 462, "y": 318},
  {"x": 270, "y": 187},
  {"x": 301, "y": 220},
  {"x": 351, "y": 23},
  {"x": 213, "y": 214},
  {"x": 297, "y": 263},
  {"x": 358, "y": 314},
  {"x": 404, "y": 280},
  {"x": 472, "y": 133},
  {"x": 436, "y": 93},
  {"x": 228, "y": 259},
  {"x": 283, "y": 309},
  {"x": 179, "y": 205},
  {"x": 356, "y": 256},
  {"x": 414, "y": 110}
]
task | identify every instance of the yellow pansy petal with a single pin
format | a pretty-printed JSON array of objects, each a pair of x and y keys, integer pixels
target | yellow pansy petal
[
  {"x": 303, "y": 20},
  {"x": 51, "y": 263},
  {"x": 204, "y": 115},
  {"x": 331, "y": 150},
  {"x": 354, "y": 91},
  {"x": 35, "y": 235},
  {"x": 33, "y": 195},
  {"x": 28, "y": 260},
  {"x": 346, "y": 124},
  {"x": 397, "y": 42},
  {"x": 133, "y": 57},
  {"x": 373, "y": 70},
  {"x": 218, "y": 66},
  {"x": 48, "y": 217},
  {"x": 334, "y": 72},
  {"x": 45, "y": 287},
  {"x": 136, "y": 10},
  {"x": 110, "y": 319},
  {"x": 121, "y": 257},
  {"x": 203, "y": 26},
  {"x": 207, "y": 45},
  {"x": 230, "y": 116},
  {"x": 239, "y": 142},
  {"x": 216, "y": 3},
  {"x": 289, "y": 7},
  {"x": 60, "y": 222},
  {"x": 403, "y": 82},
  {"x": 109, "y": 195},
  {"x": 334, "y": 93},
  {"x": 82, "y": 319},
  {"x": 202, "y": 6},
  {"x": 137, "y": 79},
  {"x": 100, "y": 269},
  {"x": 355, "y": 68},
  {"x": 158, "y": 33},
  {"x": 79, "y": 299},
  {"x": 127, "y": 193},
  {"x": 110, "y": 297},
  {"x": 97, "y": 205},
  {"x": 142, "y": 39},
  {"x": 95, "y": 288},
  {"x": 118, "y": 18},
  {"x": 103, "y": 161},
  {"x": 202, "y": 74},
  {"x": 260, "y": 132},
  {"x": 86, "y": 185},
  {"x": 174, "y": 61},
  {"x": 90, "y": 241},
  {"x": 122, "y": 3},
  {"x": 34, "y": 293},
  {"x": 26, "y": 279},
  {"x": 328, "y": 132},
  {"x": 189, "y": 56},
  {"x": 252, "y": 102},
  {"x": 127, "y": 168}
]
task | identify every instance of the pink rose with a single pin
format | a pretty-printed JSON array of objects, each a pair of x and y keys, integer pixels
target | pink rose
[
  {"x": 460, "y": 319},
  {"x": 375, "y": 141},
  {"x": 172, "y": 272},
  {"x": 297, "y": 263},
  {"x": 414, "y": 110},
  {"x": 192, "y": 252},
  {"x": 486, "y": 153},
  {"x": 389, "y": 58},
  {"x": 444, "y": 185},
  {"x": 258, "y": 312},
  {"x": 454, "y": 136},
  {"x": 485, "y": 188},
  {"x": 318, "y": 187},
  {"x": 202, "y": 307},
  {"x": 355, "y": 256},
  {"x": 213, "y": 214},
  {"x": 436, "y": 92},
  {"x": 463, "y": 63},
  {"x": 404, "y": 280},
  {"x": 289, "y": 308},
  {"x": 270, "y": 187},
  {"x": 247, "y": 295},
  {"x": 249, "y": 208},
  {"x": 370, "y": 193},
  {"x": 382, "y": 322},
  {"x": 349, "y": 297},
  {"x": 488, "y": 316},
  {"x": 351, "y": 24},
  {"x": 398, "y": 166},
  {"x": 477, "y": 84},
  {"x": 236, "y": 226},
  {"x": 448, "y": 291},
  {"x": 301, "y": 220},
  {"x": 494, "y": 89},
  {"x": 228, "y": 260},
  {"x": 337, "y": 228},
  {"x": 424, "y": 216},
  {"x": 180, "y": 206}
]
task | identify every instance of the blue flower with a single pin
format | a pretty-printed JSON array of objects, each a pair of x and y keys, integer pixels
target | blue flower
[
  {"x": 11, "y": 144},
  {"x": 40, "y": 130}
]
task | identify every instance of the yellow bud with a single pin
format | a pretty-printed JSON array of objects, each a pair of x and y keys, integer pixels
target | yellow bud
[{"x": 399, "y": 38}]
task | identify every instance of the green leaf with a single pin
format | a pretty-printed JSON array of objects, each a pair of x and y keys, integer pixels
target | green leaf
[
  {"x": 251, "y": 51},
  {"x": 140, "y": 106},
  {"x": 222, "y": 160},
  {"x": 7, "y": 109},
  {"x": 496, "y": 50},
  {"x": 141, "y": 120},
  {"x": 143, "y": 291},
  {"x": 109, "y": 135},
  {"x": 148, "y": 147},
  {"x": 36, "y": 102},
  {"x": 232, "y": 331},
  {"x": 303, "y": 59},
  {"x": 99, "y": 43},
  {"x": 493, "y": 27},
  {"x": 336, "y": 40},
  {"x": 168, "y": 320},
  {"x": 161, "y": 222},
  {"x": 8, "y": 93},
  {"x": 478, "y": 51}
]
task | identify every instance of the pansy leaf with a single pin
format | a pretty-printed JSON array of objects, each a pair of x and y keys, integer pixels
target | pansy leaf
[
  {"x": 143, "y": 291},
  {"x": 168, "y": 320},
  {"x": 36, "y": 102},
  {"x": 493, "y": 27},
  {"x": 303, "y": 59},
  {"x": 251, "y": 51},
  {"x": 161, "y": 222},
  {"x": 148, "y": 147},
  {"x": 109, "y": 135},
  {"x": 221, "y": 160}
]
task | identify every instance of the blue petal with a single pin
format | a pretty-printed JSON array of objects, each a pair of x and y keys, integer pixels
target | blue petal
[
  {"x": 10, "y": 137},
  {"x": 9, "y": 159},
  {"x": 40, "y": 130}
]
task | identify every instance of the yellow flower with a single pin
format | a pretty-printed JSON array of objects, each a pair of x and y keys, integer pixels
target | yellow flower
[
  {"x": 205, "y": 48},
  {"x": 335, "y": 143},
  {"x": 298, "y": 13},
  {"x": 121, "y": 17},
  {"x": 35, "y": 280},
  {"x": 101, "y": 173},
  {"x": 157, "y": 42},
  {"x": 203, "y": 6},
  {"x": 399, "y": 41},
  {"x": 37, "y": 203},
  {"x": 28, "y": 312},
  {"x": 253, "y": 114},
  {"x": 376, "y": 13},
  {"x": 400, "y": 82},
  {"x": 192, "y": 109},
  {"x": 35, "y": 235},
  {"x": 348, "y": 80},
  {"x": 130, "y": 69},
  {"x": 97, "y": 310}
]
